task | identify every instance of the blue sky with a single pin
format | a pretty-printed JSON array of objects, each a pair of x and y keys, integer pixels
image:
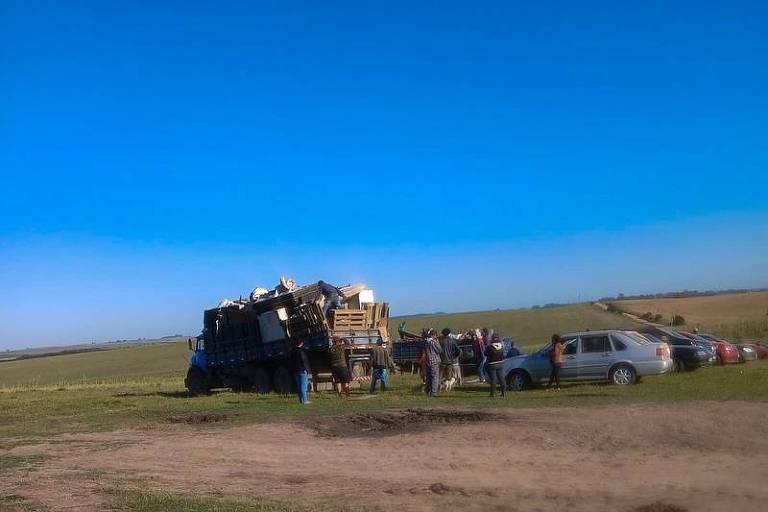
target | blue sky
[{"x": 455, "y": 155}]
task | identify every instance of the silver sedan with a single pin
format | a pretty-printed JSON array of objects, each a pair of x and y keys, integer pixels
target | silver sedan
[{"x": 617, "y": 356}]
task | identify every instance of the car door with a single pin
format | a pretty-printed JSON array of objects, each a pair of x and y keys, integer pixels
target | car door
[
  {"x": 570, "y": 367},
  {"x": 595, "y": 356}
]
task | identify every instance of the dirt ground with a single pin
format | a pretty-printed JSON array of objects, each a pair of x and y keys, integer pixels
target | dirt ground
[{"x": 693, "y": 456}]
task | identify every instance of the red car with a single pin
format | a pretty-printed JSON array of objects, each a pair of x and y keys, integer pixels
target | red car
[
  {"x": 760, "y": 349},
  {"x": 726, "y": 352}
]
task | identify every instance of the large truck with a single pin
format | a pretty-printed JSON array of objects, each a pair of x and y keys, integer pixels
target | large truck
[{"x": 246, "y": 344}]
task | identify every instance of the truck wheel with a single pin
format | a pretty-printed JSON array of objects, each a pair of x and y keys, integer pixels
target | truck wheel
[
  {"x": 283, "y": 380},
  {"x": 196, "y": 382},
  {"x": 261, "y": 381}
]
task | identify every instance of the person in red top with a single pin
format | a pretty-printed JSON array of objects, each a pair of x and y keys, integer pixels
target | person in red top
[{"x": 556, "y": 360}]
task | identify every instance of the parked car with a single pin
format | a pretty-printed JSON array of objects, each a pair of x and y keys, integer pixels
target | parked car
[
  {"x": 760, "y": 349},
  {"x": 620, "y": 357},
  {"x": 687, "y": 353},
  {"x": 746, "y": 352},
  {"x": 726, "y": 351}
]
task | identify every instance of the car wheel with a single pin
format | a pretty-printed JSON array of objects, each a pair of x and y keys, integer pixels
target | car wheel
[
  {"x": 623, "y": 375},
  {"x": 196, "y": 382},
  {"x": 518, "y": 380},
  {"x": 679, "y": 365}
]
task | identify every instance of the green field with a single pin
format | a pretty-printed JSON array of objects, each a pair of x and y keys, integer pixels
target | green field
[
  {"x": 156, "y": 401},
  {"x": 155, "y": 360},
  {"x": 529, "y": 327},
  {"x": 735, "y": 316}
]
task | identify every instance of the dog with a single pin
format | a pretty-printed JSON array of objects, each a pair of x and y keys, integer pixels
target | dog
[{"x": 447, "y": 384}]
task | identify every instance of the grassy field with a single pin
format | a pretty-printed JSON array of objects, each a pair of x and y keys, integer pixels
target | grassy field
[
  {"x": 736, "y": 316},
  {"x": 156, "y": 360},
  {"x": 154, "y": 402},
  {"x": 529, "y": 327}
]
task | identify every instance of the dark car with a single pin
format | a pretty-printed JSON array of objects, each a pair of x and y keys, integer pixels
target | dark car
[{"x": 687, "y": 353}]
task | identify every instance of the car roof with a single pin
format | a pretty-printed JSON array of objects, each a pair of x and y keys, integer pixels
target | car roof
[{"x": 589, "y": 333}]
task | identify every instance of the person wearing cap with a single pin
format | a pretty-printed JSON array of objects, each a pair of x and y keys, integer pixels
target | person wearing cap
[
  {"x": 337, "y": 360},
  {"x": 449, "y": 359},
  {"x": 494, "y": 353},
  {"x": 434, "y": 355},
  {"x": 301, "y": 371},
  {"x": 381, "y": 361},
  {"x": 556, "y": 360}
]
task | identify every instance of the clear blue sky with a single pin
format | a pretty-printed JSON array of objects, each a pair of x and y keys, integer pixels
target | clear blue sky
[{"x": 157, "y": 158}]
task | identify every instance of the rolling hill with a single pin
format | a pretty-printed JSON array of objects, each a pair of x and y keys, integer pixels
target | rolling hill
[{"x": 734, "y": 316}]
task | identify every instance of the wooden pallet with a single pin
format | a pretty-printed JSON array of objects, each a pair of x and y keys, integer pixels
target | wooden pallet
[
  {"x": 342, "y": 319},
  {"x": 307, "y": 321}
]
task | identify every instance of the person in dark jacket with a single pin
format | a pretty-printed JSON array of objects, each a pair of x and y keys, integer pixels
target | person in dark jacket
[
  {"x": 494, "y": 354},
  {"x": 381, "y": 361},
  {"x": 337, "y": 360},
  {"x": 332, "y": 296},
  {"x": 301, "y": 371},
  {"x": 450, "y": 356}
]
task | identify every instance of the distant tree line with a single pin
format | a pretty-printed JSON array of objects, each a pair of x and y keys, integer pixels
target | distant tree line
[{"x": 682, "y": 294}]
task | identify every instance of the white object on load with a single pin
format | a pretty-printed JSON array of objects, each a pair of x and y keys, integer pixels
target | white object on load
[
  {"x": 270, "y": 327},
  {"x": 258, "y": 293},
  {"x": 351, "y": 290},
  {"x": 366, "y": 297},
  {"x": 226, "y": 303},
  {"x": 288, "y": 284},
  {"x": 282, "y": 314}
]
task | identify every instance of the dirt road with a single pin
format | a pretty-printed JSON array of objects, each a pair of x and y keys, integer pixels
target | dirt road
[{"x": 699, "y": 456}]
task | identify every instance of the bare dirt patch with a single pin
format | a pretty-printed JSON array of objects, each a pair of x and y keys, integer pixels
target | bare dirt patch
[
  {"x": 628, "y": 458},
  {"x": 659, "y": 507},
  {"x": 398, "y": 422},
  {"x": 197, "y": 419}
]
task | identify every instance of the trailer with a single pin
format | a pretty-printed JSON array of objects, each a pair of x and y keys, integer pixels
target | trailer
[{"x": 246, "y": 344}]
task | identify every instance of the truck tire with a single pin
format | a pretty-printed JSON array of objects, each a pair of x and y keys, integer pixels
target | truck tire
[
  {"x": 262, "y": 383},
  {"x": 283, "y": 380},
  {"x": 196, "y": 382}
]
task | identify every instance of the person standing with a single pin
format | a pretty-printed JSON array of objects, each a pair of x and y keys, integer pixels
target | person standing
[
  {"x": 494, "y": 353},
  {"x": 556, "y": 360},
  {"x": 479, "y": 344},
  {"x": 381, "y": 360},
  {"x": 301, "y": 370},
  {"x": 337, "y": 360},
  {"x": 449, "y": 359},
  {"x": 434, "y": 354}
]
